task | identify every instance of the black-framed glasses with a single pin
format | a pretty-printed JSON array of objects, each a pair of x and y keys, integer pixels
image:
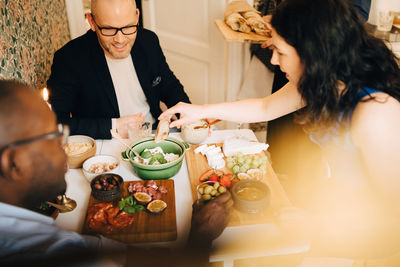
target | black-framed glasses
[
  {"x": 111, "y": 31},
  {"x": 62, "y": 131}
]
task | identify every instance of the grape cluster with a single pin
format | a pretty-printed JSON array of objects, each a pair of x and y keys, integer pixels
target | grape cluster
[{"x": 240, "y": 163}]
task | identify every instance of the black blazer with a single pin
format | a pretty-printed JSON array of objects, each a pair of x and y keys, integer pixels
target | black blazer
[{"x": 82, "y": 92}]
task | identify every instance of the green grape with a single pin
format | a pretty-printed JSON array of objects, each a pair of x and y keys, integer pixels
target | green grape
[
  {"x": 229, "y": 159},
  {"x": 246, "y": 166},
  {"x": 230, "y": 164},
  {"x": 235, "y": 169},
  {"x": 239, "y": 154},
  {"x": 253, "y": 165},
  {"x": 240, "y": 160},
  {"x": 243, "y": 168},
  {"x": 263, "y": 168},
  {"x": 257, "y": 162},
  {"x": 247, "y": 160}
]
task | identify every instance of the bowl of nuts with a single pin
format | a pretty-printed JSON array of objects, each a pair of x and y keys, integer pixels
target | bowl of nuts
[
  {"x": 99, "y": 164},
  {"x": 209, "y": 190},
  {"x": 107, "y": 187}
]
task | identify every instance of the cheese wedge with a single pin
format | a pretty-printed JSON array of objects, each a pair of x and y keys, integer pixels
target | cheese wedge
[{"x": 233, "y": 146}]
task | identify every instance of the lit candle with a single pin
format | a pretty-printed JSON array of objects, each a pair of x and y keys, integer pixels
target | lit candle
[{"x": 45, "y": 95}]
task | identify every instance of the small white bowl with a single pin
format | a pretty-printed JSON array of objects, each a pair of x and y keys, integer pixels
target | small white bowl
[
  {"x": 194, "y": 136},
  {"x": 99, "y": 159}
]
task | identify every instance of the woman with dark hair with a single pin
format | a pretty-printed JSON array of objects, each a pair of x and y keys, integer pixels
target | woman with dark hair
[{"x": 347, "y": 85}]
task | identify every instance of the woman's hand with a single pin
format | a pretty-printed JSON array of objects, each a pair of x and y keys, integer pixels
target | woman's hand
[{"x": 188, "y": 113}]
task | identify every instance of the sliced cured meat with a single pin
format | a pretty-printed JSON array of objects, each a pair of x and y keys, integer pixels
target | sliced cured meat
[
  {"x": 105, "y": 218},
  {"x": 151, "y": 191},
  {"x": 157, "y": 196},
  {"x": 162, "y": 189},
  {"x": 151, "y": 183},
  {"x": 135, "y": 186}
]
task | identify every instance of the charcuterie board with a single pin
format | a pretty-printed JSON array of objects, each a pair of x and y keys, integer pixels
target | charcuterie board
[
  {"x": 147, "y": 227},
  {"x": 240, "y": 37},
  {"x": 197, "y": 165}
]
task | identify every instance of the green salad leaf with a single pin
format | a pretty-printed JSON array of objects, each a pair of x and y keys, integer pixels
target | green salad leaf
[
  {"x": 146, "y": 154},
  {"x": 129, "y": 205}
]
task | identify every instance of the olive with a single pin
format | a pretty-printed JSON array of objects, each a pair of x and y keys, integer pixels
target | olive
[
  {"x": 221, "y": 189},
  {"x": 208, "y": 189},
  {"x": 206, "y": 197},
  {"x": 201, "y": 190}
]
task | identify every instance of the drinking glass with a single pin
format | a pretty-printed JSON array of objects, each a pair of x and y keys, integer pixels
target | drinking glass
[
  {"x": 139, "y": 131},
  {"x": 385, "y": 20}
]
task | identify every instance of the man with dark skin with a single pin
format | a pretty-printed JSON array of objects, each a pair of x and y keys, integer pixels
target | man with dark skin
[{"x": 32, "y": 168}]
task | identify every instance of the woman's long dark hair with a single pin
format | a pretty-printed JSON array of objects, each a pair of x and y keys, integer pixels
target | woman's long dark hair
[{"x": 334, "y": 47}]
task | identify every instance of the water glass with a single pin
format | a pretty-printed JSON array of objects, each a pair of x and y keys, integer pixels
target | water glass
[
  {"x": 139, "y": 131},
  {"x": 385, "y": 20}
]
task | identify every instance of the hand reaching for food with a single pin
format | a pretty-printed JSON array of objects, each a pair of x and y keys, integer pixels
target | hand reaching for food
[
  {"x": 210, "y": 218},
  {"x": 188, "y": 113}
]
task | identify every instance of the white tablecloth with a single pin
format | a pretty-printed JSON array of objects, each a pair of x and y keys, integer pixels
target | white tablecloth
[{"x": 269, "y": 235}]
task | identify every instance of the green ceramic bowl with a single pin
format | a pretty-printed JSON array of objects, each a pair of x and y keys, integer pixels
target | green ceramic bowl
[{"x": 156, "y": 172}]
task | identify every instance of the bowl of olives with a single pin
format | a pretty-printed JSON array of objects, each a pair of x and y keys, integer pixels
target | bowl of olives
[
  {"x": 209, "y": 190},
  {"x": 107, "y": 187}
]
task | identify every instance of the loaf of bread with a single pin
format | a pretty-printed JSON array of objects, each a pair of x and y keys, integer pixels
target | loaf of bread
[
  {"x": 237, "y": 23},
  {"x": 242, "y": 17},
  {"x": 256, "y": 22}
]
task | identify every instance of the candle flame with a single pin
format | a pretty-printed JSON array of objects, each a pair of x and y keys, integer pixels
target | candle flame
[{"x": 45, "y": 94}]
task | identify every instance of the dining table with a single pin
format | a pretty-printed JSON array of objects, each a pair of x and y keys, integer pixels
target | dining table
[{"x": 236, "y": 242}]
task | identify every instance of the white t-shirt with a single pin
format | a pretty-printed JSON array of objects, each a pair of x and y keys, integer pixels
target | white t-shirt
[{"x": 129, "y": 92}]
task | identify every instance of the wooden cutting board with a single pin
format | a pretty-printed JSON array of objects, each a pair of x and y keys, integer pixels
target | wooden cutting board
[
  {"x": 147, "y": 227},
  {"x": 240, "y": 37},
  {"x": 197, "y": 165}
]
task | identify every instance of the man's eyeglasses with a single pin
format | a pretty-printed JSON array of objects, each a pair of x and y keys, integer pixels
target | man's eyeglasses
[
  {"x": 62, "y": 131},
  {"x": 111, "y": 31}
]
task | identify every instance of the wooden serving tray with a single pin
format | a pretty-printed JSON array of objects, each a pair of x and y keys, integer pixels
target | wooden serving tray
[
  {"x": 147, "y": 227},
  {"x": 197, "y": 165},
  {"x": 239, "y": 37}
]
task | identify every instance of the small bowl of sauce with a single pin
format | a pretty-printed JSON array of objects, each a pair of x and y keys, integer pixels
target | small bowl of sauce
[{"x": 250, "y": 196}]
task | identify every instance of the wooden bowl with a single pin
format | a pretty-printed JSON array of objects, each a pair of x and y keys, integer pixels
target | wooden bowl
[{"x": 76, "y": 160}]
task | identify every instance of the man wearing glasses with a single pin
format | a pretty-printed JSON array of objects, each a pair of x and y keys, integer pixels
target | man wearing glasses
[
  {"x": 32, "y": 168},
  {"x": 113, "y": 76}
]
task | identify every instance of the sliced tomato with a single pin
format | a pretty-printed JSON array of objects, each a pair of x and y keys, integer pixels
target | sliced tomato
[
  {"x": 213, "y": 178},
  {"x": 234, "y": 181},
  {"x": 204, "y": 176},
  {"x": 226, "y": 180},
  {"x": 219, "y": 172},
  {"x": 208, "y": 174}
]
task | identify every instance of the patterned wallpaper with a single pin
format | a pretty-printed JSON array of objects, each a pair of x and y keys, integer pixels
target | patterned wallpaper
[{"x": 30, "y": 33}]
